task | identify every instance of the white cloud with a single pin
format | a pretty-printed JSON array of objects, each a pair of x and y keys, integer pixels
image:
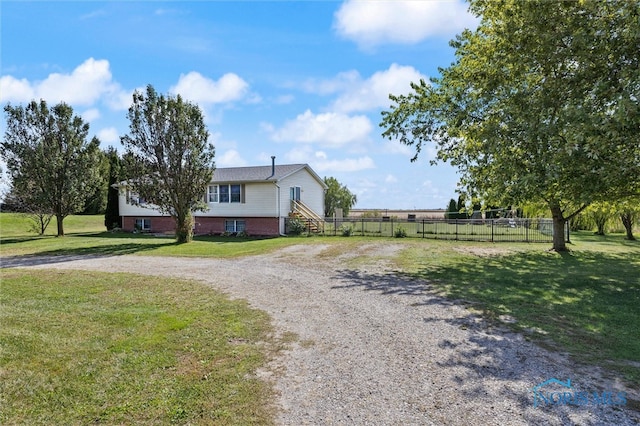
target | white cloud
[
  {"x": 371, "y": 23},
  {"x": 88, "y": 83},
  {"x": 395, "y": 147},
  {"x": 373, "y": 93},
  {"x": 299, "y": 154},
  {"x": 122, "y": 100},
  {"x": 230, "y": 158},
  {"x": 14, "y": 90},
  {"x": 328, "y": 129},
  {"x": 339, "y": 83},
  {"x": 284, "y": 99},
  {"x": 344, "y": 165},
  {"x": 199, "y": 89},
  {"x": 109, "y": 135},
  {"x": 391, "y": 179},
  {"x": 90, "y": 114}
]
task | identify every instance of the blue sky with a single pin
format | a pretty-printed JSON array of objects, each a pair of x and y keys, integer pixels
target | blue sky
[{"x": 305, "y": 81}]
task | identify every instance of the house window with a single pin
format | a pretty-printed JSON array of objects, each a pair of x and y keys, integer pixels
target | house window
[
  {"x": 230, "y": 193},
  {"x": 212, "y": 196},
  {"x": 143, "y": 224},
  {"x": 135, "y": 199},
  {"x": 294, "y": 193},
  {"x": 232, "y": 225},
  {"x": 235, "y": 193},
  {"x": 224, "y": 193}
]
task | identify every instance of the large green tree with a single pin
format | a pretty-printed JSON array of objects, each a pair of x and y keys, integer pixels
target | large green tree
[
  {"x": 540, "y": 105},
  {"x": 629, "y": 211},
  {"x": 97, "y": 202},
  {"x": 337, "y": 196},
  {"x": 53, "y": 167},
  {"x": 171, "y": 160},
  {"x": 112, "y": 210}
]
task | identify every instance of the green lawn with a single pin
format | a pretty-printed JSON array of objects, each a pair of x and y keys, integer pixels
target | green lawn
[
  {"x": 86, "y": 235},
  {"x": 586, "y": 302},
  {"x": 84, "y": 348},
  {"x": 14, "y": 225}
]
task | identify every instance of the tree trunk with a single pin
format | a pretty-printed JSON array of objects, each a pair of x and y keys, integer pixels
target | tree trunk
[
  {"x": 627, "y": 221},
  {"x": 184, "y": 228},
  {"x": 559, "y": 243},
  {"x": 601, "y": 222},
  {"x": 59, "y": 219}
]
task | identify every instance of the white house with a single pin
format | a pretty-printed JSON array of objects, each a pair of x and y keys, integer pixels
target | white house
[{"x": 252, "y": 199}]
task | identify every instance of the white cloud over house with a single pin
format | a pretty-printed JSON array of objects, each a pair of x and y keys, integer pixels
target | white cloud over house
[
  {"x": 371, "y": 23},
  {"x": 373, "y": 92},
  {"x": 199, "y": 89},
  {"x": 230, "y": 158},
  {"x": 344, "y": 165},
  {"x": 326, "y": 129}
]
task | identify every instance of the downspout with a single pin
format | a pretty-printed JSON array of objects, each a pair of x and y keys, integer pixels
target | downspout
[
  {"x": 273, "y": 173},
  {"x": 282, "y": 234}
]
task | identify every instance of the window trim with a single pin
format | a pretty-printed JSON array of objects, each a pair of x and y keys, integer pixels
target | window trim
[
  {"x": 144, "y": 220},
  {"x": 226, "y": 193},
  {"x": 216, "y": 194},
  {"x": 235, "y": 225}
]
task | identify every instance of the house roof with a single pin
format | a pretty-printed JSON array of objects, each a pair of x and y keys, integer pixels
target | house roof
[
  {"x": 261, "y": 173},
  {"x": 256, "y": 174}
]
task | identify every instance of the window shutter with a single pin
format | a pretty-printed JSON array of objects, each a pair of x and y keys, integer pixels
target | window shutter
[{"x": 242, "y": 200}]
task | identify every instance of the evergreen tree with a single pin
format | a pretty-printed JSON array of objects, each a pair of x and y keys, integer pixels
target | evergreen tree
[{"x": 112, "y": 213}]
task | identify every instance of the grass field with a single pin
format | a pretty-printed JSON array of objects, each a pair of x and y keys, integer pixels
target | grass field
[
  {"x": 87, "y": 235},
  {"x": 85, "y": 348},
  {"x": 522, "y": 230},
  {"x": 18, "y": 225},
  {"x": 584, "y": 302}
]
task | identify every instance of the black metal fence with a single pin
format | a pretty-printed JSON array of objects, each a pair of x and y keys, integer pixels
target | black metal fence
[{"x": 494, "y": 230}]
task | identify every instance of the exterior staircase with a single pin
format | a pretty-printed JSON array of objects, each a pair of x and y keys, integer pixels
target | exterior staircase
[{"x": 314, "y": 222}]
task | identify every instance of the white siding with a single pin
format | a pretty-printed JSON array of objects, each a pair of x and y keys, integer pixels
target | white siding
[
  {"x": 260, "y": 201},
  {"x": 127, "y": 209},
  {"x": 311, "y": 192}
]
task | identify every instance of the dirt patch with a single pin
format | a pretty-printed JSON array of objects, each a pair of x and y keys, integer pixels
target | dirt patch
[{"x": 483, "y": 251}]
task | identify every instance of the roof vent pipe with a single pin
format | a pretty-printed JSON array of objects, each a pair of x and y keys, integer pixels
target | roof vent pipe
[{"x": 273, "y": 166}]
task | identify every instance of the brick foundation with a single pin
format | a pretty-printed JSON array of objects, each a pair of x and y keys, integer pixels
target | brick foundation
[{"x": 206, "y": 225}]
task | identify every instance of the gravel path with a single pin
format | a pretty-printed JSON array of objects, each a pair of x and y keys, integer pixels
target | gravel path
[{"x": 376, "y": 348}]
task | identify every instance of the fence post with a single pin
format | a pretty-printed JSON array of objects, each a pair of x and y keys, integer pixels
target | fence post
[
  {"x": 456, "y": 229},
  {"x": 527, "y": 230},
  {"x": 491, "y": 230},
  {"x": 391, "y": 228},
  {"x": 362, "y": 223},
  {"x": 422, "y": 228}
]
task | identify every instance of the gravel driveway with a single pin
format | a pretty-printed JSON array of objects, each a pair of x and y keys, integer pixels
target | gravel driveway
[{"x": 377, "y": 348}]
